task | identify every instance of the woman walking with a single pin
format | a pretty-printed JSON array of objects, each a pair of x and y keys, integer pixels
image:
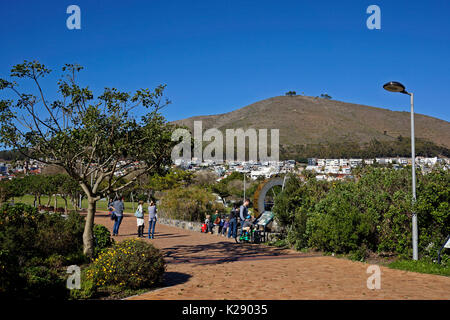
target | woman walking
[
  {"x": 152, "y": 217},
  {"x": 140, "y": 218}
]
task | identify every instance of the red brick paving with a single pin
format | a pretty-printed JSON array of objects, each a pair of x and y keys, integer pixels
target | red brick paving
[{"x": 204, "y": 266}]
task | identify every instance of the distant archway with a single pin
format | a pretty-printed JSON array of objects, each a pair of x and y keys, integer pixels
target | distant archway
[{"x": 266, "y": 193}]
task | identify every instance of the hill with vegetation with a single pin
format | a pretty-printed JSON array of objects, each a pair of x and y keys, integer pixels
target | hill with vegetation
[{"x": 314, "y": 126}]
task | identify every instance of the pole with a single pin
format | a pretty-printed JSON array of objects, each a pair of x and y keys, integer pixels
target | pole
[
  {"x": 413, "y": 158},
  {"x": 244, "y": 186}
]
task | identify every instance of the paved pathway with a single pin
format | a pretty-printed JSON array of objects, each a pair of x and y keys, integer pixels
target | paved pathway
[{"x": 204, "y": 266}]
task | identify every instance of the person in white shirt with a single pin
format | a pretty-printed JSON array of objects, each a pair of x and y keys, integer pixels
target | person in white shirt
[{"x": 140, "y": 218}]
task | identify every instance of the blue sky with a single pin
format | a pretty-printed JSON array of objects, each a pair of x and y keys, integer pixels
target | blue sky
[{"x": 218, "y": 56}]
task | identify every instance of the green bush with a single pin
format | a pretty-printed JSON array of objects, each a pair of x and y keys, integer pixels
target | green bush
[
  {"x": 44, "y": 282},
  {"x": 337, "y": 225},
  {"x": 371, "y": 213},
  {"x": 88, "y": 288},
  {"x": 34, "y": 248},
  {"x": 190, "y": 204},
  {"x": 102, "y": 238},
  {"x": 131, "y": 264}
]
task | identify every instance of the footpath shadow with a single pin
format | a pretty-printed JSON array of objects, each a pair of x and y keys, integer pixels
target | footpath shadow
[
  {"x": 219, "y": 252},
  {"x": 174, "y": 278}
]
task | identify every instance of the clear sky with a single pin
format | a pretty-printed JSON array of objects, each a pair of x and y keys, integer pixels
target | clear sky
[{"x": 218, "y": 56}]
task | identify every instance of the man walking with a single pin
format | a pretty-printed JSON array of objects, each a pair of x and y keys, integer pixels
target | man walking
[{"x": 118, "y": 207}]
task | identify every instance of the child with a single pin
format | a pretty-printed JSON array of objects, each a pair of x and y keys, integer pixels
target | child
[
  {"x": 221, "y": 222},
  {"x": 208, "y": 223},
  {"x": 225, "y": 227},
  {"x": 247, "y": 224},
  {"x": 140, "y": 218}
]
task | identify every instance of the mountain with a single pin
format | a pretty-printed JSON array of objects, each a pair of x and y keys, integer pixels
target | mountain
[{"x": 304, "y": 120}]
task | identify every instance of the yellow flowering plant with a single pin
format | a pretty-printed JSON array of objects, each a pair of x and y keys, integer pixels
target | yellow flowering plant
[{"x": 129, "y": 264}]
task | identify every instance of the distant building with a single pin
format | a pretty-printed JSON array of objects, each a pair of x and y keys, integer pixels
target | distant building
[
  {"x": 312, "y": 161},
  {"x": 355, "y": 162}
]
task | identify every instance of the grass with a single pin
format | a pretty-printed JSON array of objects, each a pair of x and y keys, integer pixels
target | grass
[
  {"x": 421, "y": 266},
  {"x": 101, "y": 204}
]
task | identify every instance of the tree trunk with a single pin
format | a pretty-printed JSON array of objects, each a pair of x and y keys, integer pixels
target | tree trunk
[
  {"x": 74, "y": 203},
  {"x": 88, "y": 235},
  {"x": 66, "y": 207},
  {"x": 56, "y": 201}
]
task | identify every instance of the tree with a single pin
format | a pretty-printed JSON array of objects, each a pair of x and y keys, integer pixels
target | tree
[
  {"x": 175, "y": 178},
  {"x": 10, "y": 189},
  {"x": 192, "y": 203},
  {"x": 325, "y": 96},
  {"x": 98, "y": 141},
  {"x": 67, "y": 188},
  {"x": 291, "y": 93},
  {"x": 34, "y": 184},
  {"x": 221, "y": 189},
  {"x": 6, "y": 191},
  {"x": 204, "y": 178}
]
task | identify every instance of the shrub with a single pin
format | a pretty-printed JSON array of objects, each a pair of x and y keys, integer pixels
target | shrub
[
  {"x": 43, "y": 282},
  {"x": 189, "y": 204},
  {"x": 33, "y": 248},
  {"x": 102, "y": 238},
  {"x": 88, "y": 288},
  {"x": 337, "y": 225},
  {"x": 371, "y": 213},
  {"x": 131, "y": 264}
]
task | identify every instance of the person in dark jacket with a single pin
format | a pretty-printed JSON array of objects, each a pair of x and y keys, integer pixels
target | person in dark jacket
[
  {"x": 233, "y": 222},
  {"x": 118, "y": 207}
]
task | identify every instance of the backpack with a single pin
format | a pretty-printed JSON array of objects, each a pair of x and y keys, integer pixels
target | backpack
[
  {"x": 217, "y": 221},
  {"x": 138, "y": 213}
]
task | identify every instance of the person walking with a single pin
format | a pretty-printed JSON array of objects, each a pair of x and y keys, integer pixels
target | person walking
[
  {"x": 139, "y": 214},
  {"x": 152, "y": 218},
  {"x": 233, "y": 222},
  {"x": 117, "y": 207}
]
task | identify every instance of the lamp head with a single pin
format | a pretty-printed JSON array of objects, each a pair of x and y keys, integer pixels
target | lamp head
[{"x": 394, "y": 86}]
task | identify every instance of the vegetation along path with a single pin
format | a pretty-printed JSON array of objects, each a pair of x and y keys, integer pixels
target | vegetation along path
[{"x": 204, "y": 266}]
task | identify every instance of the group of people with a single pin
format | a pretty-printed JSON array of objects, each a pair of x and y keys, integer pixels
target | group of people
[
  {"x": 116, "y": 209},
  {"x": 228, "y": 226}
]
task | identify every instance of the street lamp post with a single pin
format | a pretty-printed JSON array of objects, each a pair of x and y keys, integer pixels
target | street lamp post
[{"x": 394, "y": 86}]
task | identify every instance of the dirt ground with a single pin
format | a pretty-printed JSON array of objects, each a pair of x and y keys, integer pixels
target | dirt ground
[{"x": 205, "y": 266}]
